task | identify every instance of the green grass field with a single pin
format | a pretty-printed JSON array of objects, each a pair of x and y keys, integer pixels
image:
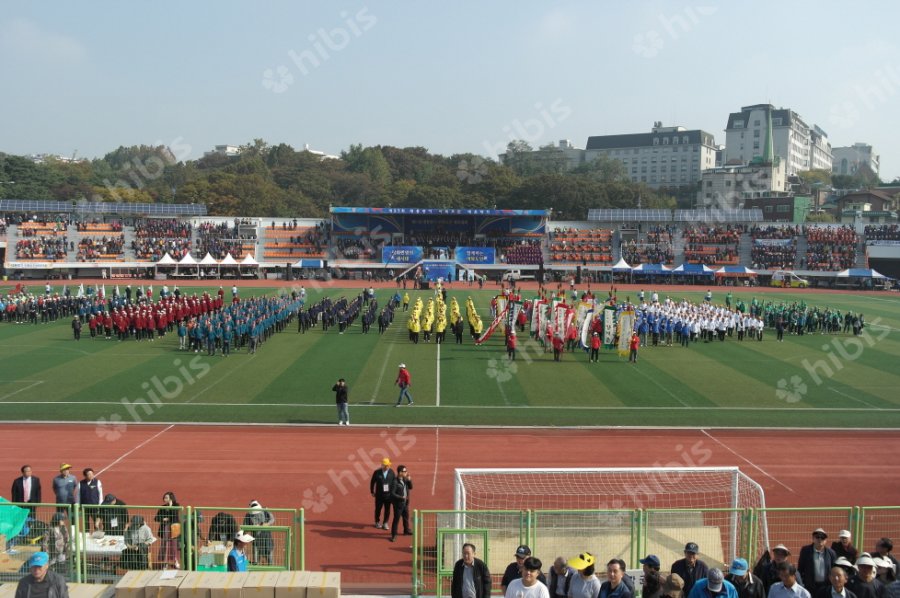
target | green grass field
[{"x": 45, "y": 375}]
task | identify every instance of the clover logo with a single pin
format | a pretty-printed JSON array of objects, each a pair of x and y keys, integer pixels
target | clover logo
[
  {"x": 317, "y": 501},
  {"x": 277, "y": 80},
  {"x": 647, "y": 44},
  {"x": 471, "y": 173},
  {"x": 501, "y": 369},
  {"x": 844, "y": 114},
  {"x": 791, "y": 391},
  {"x": 110, "y": 430}
]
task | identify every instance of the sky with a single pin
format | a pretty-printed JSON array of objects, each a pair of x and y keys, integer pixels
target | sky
[{"x": 453, "y": 77}]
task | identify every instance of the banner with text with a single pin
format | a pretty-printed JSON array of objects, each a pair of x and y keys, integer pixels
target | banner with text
[
  {"x": 475, "y": 255},
  {"x": 401, "y": 254}
]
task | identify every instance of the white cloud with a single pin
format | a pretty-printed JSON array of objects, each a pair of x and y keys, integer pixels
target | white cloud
[{"x": 24, "y": 39}]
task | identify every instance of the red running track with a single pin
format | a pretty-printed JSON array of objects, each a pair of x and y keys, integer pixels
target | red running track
[{"x": 280, "y": 465}]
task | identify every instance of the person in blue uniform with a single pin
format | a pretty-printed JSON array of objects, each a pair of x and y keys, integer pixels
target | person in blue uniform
[{"x": 237, "y": 560}]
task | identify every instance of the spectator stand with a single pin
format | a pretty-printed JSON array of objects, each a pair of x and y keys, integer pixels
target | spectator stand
[{"x": 713, "y": 245}]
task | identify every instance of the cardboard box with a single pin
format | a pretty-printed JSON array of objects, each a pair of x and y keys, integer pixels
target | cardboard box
[
  {"x": 164, "y": 584},
  {"x": 323, "y": 585},
  {"x": 8, "y": 590},
  {"x": 196, "y": 584},
  {"x": 227, "y": 585},
  {"x": 291, "y": 584},
  {"x": 260, "y": 584},
  {"x": 214, "y": 555},
  {"x": 91, "y": 590},
  {"x": 133, "y": 583}
]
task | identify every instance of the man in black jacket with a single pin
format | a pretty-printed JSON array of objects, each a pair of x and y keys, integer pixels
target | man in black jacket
[
  {"x": 400, "y": 501},
  {"x": 380, "y": 487},
  {"x": 815, "y": 562},
  {"x": 41, "y": 581},
  {"x": 471, "y": 578},
  {"x": 341, "y": 399},
  {"x": 690, "y": 568},
  {"x": 746, "y": 584}
]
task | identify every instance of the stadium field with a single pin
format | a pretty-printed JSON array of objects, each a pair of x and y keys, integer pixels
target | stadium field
[{"x": 807, "y": 381}]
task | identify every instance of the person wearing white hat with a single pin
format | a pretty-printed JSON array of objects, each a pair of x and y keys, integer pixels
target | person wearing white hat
[
  {"x": 237, "y": 560},
  {"x": 404, "y": 381},
  {"x": 843, "y": 546},
  {"x": 865, "y": 585},
  {"x": 262, "y": 545},
  {"x": 767, "y": 570},
  {"x": 884, "y": 570}
]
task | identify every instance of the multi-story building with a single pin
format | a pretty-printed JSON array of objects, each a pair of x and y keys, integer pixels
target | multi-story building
[
  {"x": 848, "y": 160},
  {"x": 800, "y": 146},
  {"x": 224, "y": 150},
  {"x": 664, "y": 157}
]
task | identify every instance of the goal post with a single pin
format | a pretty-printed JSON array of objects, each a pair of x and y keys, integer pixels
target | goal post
[{"x": 696, "y": 500}]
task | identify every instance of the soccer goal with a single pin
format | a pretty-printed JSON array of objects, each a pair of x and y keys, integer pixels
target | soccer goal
[{"x": 672, "y": 505}]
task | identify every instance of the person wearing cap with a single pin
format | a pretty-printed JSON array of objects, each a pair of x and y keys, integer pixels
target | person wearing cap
[
  {"x": 691, "y": 569},
  {"x": 400, "y": 501},
  {"x": 865, "y": 584},
  {"x": 653, "y": 581},
  {"x": 789, "y": 586},
  {"x": 514, "y": 569},
  {"x": 848, "y": 567},
  {"x": 673, "y": 586},
  {"x": 843, "y": 546},
  {"x": 263, "y": 545},
  {"x": 713, "y": 586},
  {"x": 403, "y": 381},
  {"x": 511, "y": 344},
  {"x": 837, "y": 588},
  {"x": 65, "y": 486},
  {"x": 41, "y": 582},
  {"x": 815, "y": 562},
  {"x": 746, "y": 584},
  {"x": 530, "y": 584},
  {"x": 615, "y": 585},
  {"x": 595, "y": 347},
  {"x": 380, "y": 488},
  {"x": 237, "y": 559},
  {"x": 561, "y": 575},
  {"x": 471, "y": 577},
  {"x": 112, "y": 516},
  {"x": 585, "y": 584},
  {"x": 767, "y": 569}
]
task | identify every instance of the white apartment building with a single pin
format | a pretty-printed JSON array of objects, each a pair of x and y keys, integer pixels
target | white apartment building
[
  {"x": 729, "y": 187},
  {"x": 664, "y": 157},
  {"x": 848, "y": 160},
  {"x": 800, "y": 146}
]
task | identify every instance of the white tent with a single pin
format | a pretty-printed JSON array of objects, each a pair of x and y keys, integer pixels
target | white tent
[
  {"x": 167, "y": 260},
  {"x": 621, "y": 266},
  {"x": 249, "y": 261},
  {"x": 860, "y": 273},
  {"x": 229, "y": 261},
  {"x": 187, "y": 260},
  {"x": 208, "y": 260}
]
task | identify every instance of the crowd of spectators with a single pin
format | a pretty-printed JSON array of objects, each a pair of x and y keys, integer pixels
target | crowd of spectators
[
  {"x": 49, "y": 248},
  {"x": 154, "y": 248},
  {"x": 660, "y": 234},
  {"x": 882, "y": 232},
  {"x": 775, "y": 232},
  {"x": 830, "y": 248},
  {"x": 524, "y": 253},
  {"x": 355, "y": 248},
  {"x": 91, "y": 248},
  {"x": 778, "y": 257},
  {"x": 219, "y": 240},
  {"x": 87, "y": 226},
  {"x": 648, "y": 253},
  {"x": 162, "y": 228},
  {"x": 729, "y": 234}
]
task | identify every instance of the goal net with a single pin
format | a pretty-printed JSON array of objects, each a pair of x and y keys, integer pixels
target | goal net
[{"x": 574, "y": 506}]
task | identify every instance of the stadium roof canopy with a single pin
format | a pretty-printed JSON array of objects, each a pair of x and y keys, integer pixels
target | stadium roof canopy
[
  {"x": 437, "y": 212},
  {"x": 121, "y": 209}
]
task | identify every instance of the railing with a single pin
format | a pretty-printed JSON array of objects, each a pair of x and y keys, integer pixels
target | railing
[
  {"x": 100, "y": 543},
  {"x": 722, "y": 535}
]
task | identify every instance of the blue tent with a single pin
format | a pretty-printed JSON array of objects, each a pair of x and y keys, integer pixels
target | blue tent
[
  {"x": 651, "y": 269},
  {"x": 694, "y": 270}
]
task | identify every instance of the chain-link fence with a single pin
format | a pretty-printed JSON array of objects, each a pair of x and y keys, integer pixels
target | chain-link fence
[
  {"x": 876, "y": 523},
  {"x": 100, "y": 543},
  {"x": 30, "y": 528},
  {"x": 719, "y": 533},
  {"x": 794, "y": 527}
]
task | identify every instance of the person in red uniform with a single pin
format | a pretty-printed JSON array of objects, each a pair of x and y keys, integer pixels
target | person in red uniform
[
  {"x": 634, "y": 346},
  {"x": 595, "y": 347},
  {"x": 511, "y": 345},
  {"x": 558, "y": 347}
]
